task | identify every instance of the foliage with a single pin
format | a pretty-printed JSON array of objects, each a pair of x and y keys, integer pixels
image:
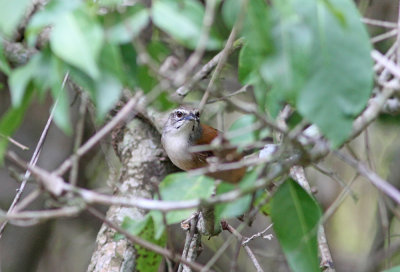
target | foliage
[
  {"x": 183, "y": 186},
  {"x": 311, "y": 54},
  {"x": 296, "y": 216},
  {"x": 146, "y": 259}
]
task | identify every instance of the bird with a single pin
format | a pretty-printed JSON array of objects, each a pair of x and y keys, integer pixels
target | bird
[{"x": 183, "y": 130}]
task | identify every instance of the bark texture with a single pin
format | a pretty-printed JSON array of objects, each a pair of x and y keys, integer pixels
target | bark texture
[{"x": 144, "y": 164}]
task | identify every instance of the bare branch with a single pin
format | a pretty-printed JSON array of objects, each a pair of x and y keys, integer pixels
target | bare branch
[{"x": 35, "y": 157}]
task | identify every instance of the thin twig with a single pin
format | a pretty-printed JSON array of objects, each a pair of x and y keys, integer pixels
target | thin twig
[
  {"x": 14, "y": 142},
  {"x": 380, "y": 23},
  {"x": 246, "y": 247},
  {"x": 73, "y": 175},
  {"x": 121, "y": 115},
  {"x": 376, "y": 180},
  {"x": 335, "y": 177},
  {"x": 182, "y": 91},
  {"x": 218, "y": 69},
  {"x": 259, "y": 234},
  {"x": 384, "y": 36},
  {"x": 35, "y": 157},
  {"x": 241, "y": 90},
  {"x": 195, "y": 57}
]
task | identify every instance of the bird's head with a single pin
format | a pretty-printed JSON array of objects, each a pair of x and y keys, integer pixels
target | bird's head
[{"x": 183, "y": 121}]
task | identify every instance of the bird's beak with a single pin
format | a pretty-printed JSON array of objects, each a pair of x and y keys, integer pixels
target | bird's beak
[{"x": 190, "y": 117}]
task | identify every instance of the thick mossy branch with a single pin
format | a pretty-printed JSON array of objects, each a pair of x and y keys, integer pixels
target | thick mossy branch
[{"x": 144, "y": 165}]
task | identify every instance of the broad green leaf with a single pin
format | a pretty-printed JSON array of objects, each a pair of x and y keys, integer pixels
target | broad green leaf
[
  {"x": 48, "y": 16},
  {"x": 296, "y": 215},
  {"x": 262, "y": 198},
  {"x": 129, "y": 64},
  {"x": 249, "y": 61},
  {"x": 147, "y": 80},
  {"x": 158, "y": 51},
  {"x": 183, "y": 186},
  {"x": 77, "y": 39},
  {"x": 159, "y": 226},
  {"x": 183, "y": 21},
  {"x": 107, "y": 94},
  {"x": 108, "y": 90},
  {"x": 4, "y": 66},
  {"x": 239, "y": 206},
  {"x": 393, "y": 269},
  {"x": 306, "y": 52},
  {"x": 134, "y": 227},
  {"x": 334, "y": 93},
  {"x": 62, "y": 105},
  {"x": 128, "y": 25},
  {"x": 230, "y": 11},
  {"x": 11, "y": 120},
  {"x": 20, "y": 78},
  {"x": 11, "y": 13},
  {"x": 241, "y": 127}
]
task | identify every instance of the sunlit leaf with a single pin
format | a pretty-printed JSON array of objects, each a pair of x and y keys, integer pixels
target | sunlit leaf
[
  {"x": 11, "y": 120},
  {"x": 107, "y": 94},
  {"x": 47, "y": 16},
  {"x": 334, "y": 94},
  {"x": 11, "y": 13},
  {"x": 242, "y": 128},
  {"x": 182, "y": 186},
  {"x": 77, "y": 39},
  {"x": 393, "y": 269},
  {"x": 127, "y": 25},
  {"x": 183, "y": 21}
]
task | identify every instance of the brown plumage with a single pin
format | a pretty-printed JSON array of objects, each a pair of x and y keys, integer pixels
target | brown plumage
[{"x": 182, "y": 131}]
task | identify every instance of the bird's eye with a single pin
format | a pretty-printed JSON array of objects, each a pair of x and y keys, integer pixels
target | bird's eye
[
  {"x": 198, "y": 114},
  {"x": 179, "y": 114}
]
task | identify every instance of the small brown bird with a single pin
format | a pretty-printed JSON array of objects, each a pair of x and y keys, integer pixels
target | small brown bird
[{"x": 182, "y": 131}]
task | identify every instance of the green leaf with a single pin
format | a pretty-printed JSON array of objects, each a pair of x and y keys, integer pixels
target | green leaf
[
  {"x": 147, "y": 80},
  {"x": 77, "y": 39},
  {"x": 19, "y": 80},
  {"x": 393, "y": 269},
  {"x": 129, "y": 64},
  {"x": 159, "y": 226},
  {"x": 335, "y": 94},
  {"x": 238, "y": 206},
  {"x": 306, "y": 52},
  {"x": 108, "y": 90},
  {"x": 107, "y": 94},
  {"x": 11, "y": 120},
  {"x": 11, "y": 13},
  {"x": 40, "y": 69},
  {"x": 296, "y": 215},
  {"x": 4, "y": 66},
  {"x": 128, "y": 25},
  {"x": 183, "y": 186},
  {"x": 134, "y": 227},
  {"x": 48, "y": 15},
  {"x": 146, "y": 259},
  {"x": 242, "y": 125},
  {"x": 183, "y": 21},
  {"x": 61, "y": 112},
  {"x": 261, "y": 197},
  {"x": 230, "y": 11}
]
